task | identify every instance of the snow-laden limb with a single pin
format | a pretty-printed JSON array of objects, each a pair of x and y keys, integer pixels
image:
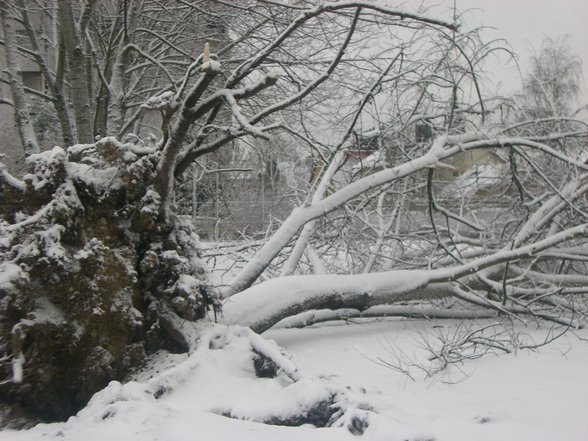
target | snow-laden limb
[
  {"x": 7, "y": 179},
  {"x": 337, "y": 161},
  {"x": 428, "y": 312},
  {"x": 309, "y": 318},
  {"x": 263, "y": 305},
  {"x": 302, "y": 215},
  {"x": 443, "y": 147},
  {"x": 515, "y": 254},
  {"x": 545, "y": 214},
  {"x": 385, "y": 224},
  {"x": 480, "y": 142},
  {"x": 238, "y": 94},
  {"x": 411, "y": 311},
  {"x": 65, "y": 199},
  {"x": 556, "y": 279},
  {"x": 271, "y": 352},
  {"x": 515, "y": 312},
  {"x": 308, "y": 230}
]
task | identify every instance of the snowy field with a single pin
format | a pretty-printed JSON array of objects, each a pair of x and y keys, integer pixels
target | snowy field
[{"x": 532, "y": 395}]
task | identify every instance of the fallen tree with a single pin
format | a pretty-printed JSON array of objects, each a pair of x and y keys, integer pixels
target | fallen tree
[
  {"x": 264, "y": 305},
  {"x": 98, "y": 270}
]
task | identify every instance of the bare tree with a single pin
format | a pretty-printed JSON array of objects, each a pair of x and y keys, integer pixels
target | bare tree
[{"x": 554, "y": 82}]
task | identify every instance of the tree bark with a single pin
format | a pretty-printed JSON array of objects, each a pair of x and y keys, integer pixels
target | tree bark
[
  {"x": 76, "y": 59},
  {"x": 21, "y": 111},
  {"x": 56, "y": 89},
  {"x": 118, "y": 82}
]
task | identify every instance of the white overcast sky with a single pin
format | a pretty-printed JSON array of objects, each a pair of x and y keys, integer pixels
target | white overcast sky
[{"x": 524, "y": 23}]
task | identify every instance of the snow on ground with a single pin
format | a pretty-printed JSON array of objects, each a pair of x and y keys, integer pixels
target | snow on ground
[
  {"x": 541, "y": 395},
  {"x": 536, "y": 396}
]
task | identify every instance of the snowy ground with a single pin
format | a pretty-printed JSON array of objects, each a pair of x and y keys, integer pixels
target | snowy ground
[{"x": 541, "y": 395}]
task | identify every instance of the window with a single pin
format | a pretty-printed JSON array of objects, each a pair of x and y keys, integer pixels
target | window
[
  {"x": 22, "y": 39},
  {"x": 32, "y": 80}
]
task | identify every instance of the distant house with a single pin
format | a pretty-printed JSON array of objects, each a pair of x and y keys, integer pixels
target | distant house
[{"x": 374, "y": 149}]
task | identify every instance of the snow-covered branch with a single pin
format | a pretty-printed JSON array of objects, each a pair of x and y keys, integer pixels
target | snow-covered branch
[{"x": 263, "y": 305}]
